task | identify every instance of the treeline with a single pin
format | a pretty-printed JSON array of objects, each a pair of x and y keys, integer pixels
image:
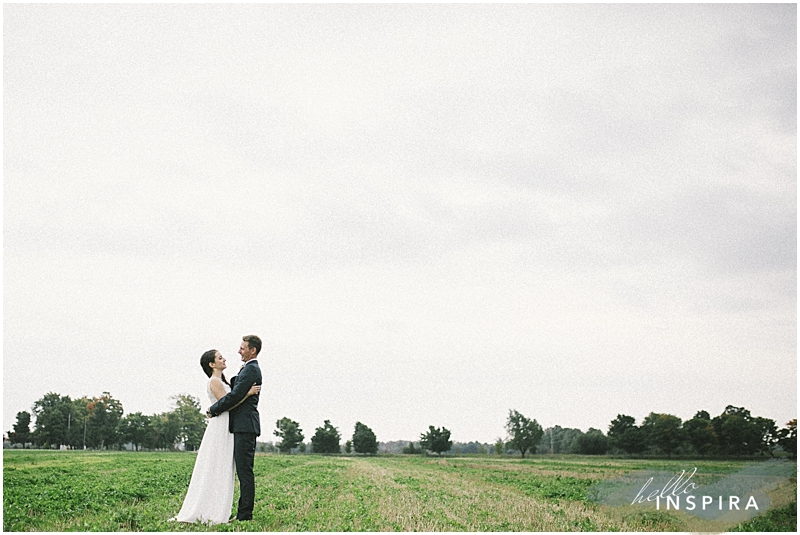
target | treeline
[
  {"x": 392, "y": 447},
  {"x": 735, "y": 432},
  {"x": 326, "y": 439},
  {"x": 99, "y": 423}
]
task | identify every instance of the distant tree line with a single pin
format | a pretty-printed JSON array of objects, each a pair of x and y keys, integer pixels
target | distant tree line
[
  {"x": 735, "y": 432},
  {"x": 326, "y": 439},
  {"x": 99, "y": 423}
]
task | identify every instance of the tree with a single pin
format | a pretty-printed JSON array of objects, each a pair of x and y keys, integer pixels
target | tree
[
  {"x": 78, "y": 422},
  {"x": 524, "y": 434},
  {"x": 436, "y": 440},
  {"x": 499, "y": 447},
  {"x": 104, "y": 414},
  {"x": 135, "y": 428},
  {"x": 411, "y": 450},
  {"x": 559, "y": 440},
  {"x": 787, "y": 438},
  {"x": 472, "y": 447},
  {"x": 290, "y": 433},
  {"x": 737, "y": 431},
  {"x": 593, "y": 442},
  {"x": 22, "y": 429},
  {"x": 94, "y": 422},
  {"x": 268, "y": 447},
  {"x": 165, "y": 429},
  {"x": 52, "y": 419},
  {"x": 664, "y": 431},
  {"x": 625, "y": 435},
  {"x": 700, "y": 433},
  {"x": 191, "y": 421},
  {"x": 326, "y": 439},
  {"x": 769, "y": 434},
  {"x": 348, "y": 446},
  {"x": 364, "y": 440}
]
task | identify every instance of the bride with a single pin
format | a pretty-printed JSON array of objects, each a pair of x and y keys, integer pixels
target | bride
[{"x": 210, "y": 495}]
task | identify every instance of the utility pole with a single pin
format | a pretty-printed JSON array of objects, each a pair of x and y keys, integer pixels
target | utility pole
[{"x": 84, "y": 431}]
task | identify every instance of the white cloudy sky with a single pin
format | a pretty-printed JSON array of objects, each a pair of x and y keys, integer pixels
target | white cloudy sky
[{"x": 431, "y": 214}]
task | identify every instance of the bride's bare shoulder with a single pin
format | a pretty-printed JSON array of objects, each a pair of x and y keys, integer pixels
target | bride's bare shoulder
[
  {"x": 215, "y": 383},
  {"x": 217, "y": 387}
]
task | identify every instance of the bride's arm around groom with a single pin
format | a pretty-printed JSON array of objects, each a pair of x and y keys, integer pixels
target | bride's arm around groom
[{"x": 249, "y": 375}]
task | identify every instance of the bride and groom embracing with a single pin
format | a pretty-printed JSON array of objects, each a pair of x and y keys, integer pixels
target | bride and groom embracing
[{"x": 229, "y": 440}]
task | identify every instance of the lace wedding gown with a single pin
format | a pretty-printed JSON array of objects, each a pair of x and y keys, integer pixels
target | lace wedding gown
[{"x": 210, "y": 493}]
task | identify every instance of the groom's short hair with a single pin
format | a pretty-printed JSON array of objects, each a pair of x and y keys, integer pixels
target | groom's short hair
[{"x": 253, "y": 342}]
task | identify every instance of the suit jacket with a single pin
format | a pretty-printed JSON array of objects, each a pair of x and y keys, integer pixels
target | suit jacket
[{"x": 244, "y": 418}]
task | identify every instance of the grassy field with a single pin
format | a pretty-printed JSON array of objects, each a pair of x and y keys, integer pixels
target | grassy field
[{"x": 120, "y": 491}]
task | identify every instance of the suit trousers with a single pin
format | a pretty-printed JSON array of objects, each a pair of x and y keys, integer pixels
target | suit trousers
[{"x": 244, "y": 453}]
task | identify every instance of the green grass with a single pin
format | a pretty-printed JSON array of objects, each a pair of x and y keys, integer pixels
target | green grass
[
  {"x": 778, "y": 519},
  {"x": 121, "y": 491}
]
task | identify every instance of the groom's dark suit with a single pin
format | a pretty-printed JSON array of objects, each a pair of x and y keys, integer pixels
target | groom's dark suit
[{"x": 245, "y": 425}]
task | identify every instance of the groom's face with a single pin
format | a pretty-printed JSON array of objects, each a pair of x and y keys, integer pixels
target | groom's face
[{"x": 246, "y": 352}]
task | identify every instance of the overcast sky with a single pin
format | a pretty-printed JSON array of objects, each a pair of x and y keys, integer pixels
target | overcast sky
[{"x": 431, "y": 214}]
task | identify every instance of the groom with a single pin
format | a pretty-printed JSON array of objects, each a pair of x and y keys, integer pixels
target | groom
[{"x": 244, "y": 422}]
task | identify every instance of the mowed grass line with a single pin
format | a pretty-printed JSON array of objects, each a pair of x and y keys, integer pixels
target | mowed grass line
[
  {"x": 423, "y": 497},
  {"x": 312, "y": 493},
  {"x": 462, "y": 494},
  {"x": 120, "y": 491}
]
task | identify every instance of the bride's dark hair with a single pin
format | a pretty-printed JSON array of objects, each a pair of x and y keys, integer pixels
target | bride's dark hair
[{"x": 207, "y": 358}]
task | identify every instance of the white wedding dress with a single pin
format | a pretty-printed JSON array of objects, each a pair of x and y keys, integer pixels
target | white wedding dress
[{"x": 210, "y": 495}]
